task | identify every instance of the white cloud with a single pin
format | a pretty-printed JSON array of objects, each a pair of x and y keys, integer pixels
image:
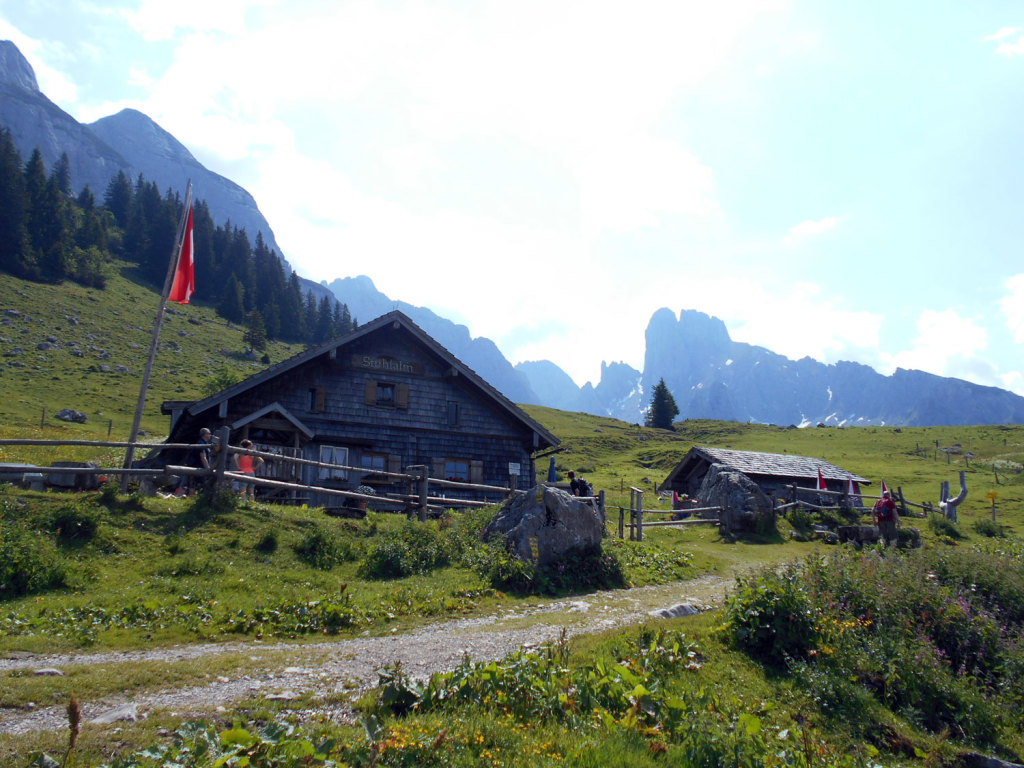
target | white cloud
[
  {"x": 158, "y": 20},
  {"x": 803, "y": 322},
  {"x": 946, "y": 344},
  {"x": 808, "y": 229},
  {"x": 1012, "y": 306},
  {"x": 1010, "y": 41}
]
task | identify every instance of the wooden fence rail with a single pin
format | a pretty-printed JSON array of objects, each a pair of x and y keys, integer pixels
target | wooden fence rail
[{"x": 222, "y": 475}]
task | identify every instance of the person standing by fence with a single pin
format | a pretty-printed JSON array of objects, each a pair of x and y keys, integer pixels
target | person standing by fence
[
  {"x": 246, "y": 463},
  {"x": 197, "y": 457},
  {"x": 887, "y": 519}
]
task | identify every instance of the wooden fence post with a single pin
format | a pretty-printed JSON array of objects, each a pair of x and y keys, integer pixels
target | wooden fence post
[
  {"x": 410, "y": 490},
  {"x": 600, "y": 507},
  {"x": 622, "y": 523},
  {"x": 903, "y": 501},
  {"x": 424, "y": 483},
  {"x": 222, "y": 438},
  {"x": 640, "y": 516}
]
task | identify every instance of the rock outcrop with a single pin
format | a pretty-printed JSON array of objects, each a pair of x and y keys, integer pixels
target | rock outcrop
[
  {"x": 745, "y": 507},
  {"x": 545, "y": 524}
]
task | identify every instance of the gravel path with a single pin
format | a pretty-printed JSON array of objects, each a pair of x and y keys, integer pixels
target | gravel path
[{"x": 350, "y": 666}]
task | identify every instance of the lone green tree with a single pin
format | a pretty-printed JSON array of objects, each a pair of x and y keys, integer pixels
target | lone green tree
[
  {"x": 255, "y": 331},
  {"x": 663, "y": 407}
]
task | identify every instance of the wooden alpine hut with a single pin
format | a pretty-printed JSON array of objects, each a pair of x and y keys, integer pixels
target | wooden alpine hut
[
  {"x": 774, "y": 473},
  {"x": 381, "y": 398}
]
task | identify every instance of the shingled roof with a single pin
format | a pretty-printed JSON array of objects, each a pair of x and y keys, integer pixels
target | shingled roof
[{"x": 753, "y": 464}]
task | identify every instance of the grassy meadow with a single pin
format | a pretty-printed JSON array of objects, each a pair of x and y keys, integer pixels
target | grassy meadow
[{"x": 821, "y": 656}]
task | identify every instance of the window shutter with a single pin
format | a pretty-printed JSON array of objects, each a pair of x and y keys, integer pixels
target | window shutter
[
  {"x": 394, "y": 463},
  {"x": 371, "y": 393},
  {"x": 476, "y": 471},
  {"x": 438, "y": 470},
  {"x": 402, "y": 396},
  {"x": 321, "y": 398}
]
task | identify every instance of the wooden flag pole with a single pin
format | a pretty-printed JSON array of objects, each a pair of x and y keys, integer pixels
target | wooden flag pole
[{"x": 141, "y": 404}]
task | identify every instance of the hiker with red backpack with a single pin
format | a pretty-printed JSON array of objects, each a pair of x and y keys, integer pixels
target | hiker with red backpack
[{"x": 886, "y": 519}]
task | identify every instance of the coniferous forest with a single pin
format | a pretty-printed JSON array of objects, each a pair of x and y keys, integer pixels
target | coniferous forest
[{"x": 49, "y": 234}]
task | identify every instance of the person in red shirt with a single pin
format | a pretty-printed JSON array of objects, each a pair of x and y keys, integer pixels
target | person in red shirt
[
  {"x": 886, "y": 519},
  {"x": 246, "y": 464}
]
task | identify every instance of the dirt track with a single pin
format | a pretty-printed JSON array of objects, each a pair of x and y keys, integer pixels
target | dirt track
[{"x": 351, "y": 665}]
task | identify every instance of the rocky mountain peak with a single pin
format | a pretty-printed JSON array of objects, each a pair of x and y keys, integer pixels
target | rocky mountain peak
[
  {"x": 15, "y": 69},
  {"x": 138, "y": 133}
]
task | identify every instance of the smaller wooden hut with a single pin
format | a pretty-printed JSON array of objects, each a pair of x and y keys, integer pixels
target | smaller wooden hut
[{"x": 774, "y": 473}]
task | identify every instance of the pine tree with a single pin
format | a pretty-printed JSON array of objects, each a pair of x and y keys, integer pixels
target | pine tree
[
  {"x": 255, "y": 331},
  {"x": 208, "y": 288},
  {"x": 13, "y": 210},
  {"x": 324, "y": 329},
  {"x": 118, "y": 198},
  {"x": 291, "y": 310},
  {"x": 663, "y": 407},
  {"x": 231, "y": 306},
  {"x": 61, "y": 174}
]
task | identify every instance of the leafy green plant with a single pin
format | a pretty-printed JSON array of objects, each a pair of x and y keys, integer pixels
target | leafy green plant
[
  {"x": 944, "y": 527},
  {"x": 74, "y": 523},
  {"x": 108, "y": 493},
  {"x": 414, "y": 548},
  {"x": 503, "y": 570},
  {"x": 322, "y": 549},
  {"x": 772, "y": 616},
  {"x": 990, "y": 528},
  {"x": 800, "y": 519},
  {"x": 268, "y": 542},
  {"x": 29, "y": 562}
]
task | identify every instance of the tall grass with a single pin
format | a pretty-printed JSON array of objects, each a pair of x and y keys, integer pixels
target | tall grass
[{"x": 936, "y": 635}]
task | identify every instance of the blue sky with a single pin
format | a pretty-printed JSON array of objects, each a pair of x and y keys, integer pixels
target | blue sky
[{"x": 837, "y": 180}]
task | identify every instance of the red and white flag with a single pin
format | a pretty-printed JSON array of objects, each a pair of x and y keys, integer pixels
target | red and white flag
[
  {"x": 184, "y": 276},
  {"x": 885, "y": 489},
  {"x": 821, "y": 482},
  {"x": 851, "y": 487}
]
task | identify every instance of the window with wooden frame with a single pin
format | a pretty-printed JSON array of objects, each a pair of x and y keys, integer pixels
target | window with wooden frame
[
  {"x": 332, "y": 454},
  {"x": 453, "y": 413},
  {"x": 317, "y": 399},
  {"x": 459, "y": 470},
  {"x": 456, "y": 469},
  {"x": 386, "y": 394},
  {"x": 374, "y": 462}
]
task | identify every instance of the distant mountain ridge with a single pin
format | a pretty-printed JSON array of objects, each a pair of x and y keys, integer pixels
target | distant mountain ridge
[{"x": 710, "y": 375}]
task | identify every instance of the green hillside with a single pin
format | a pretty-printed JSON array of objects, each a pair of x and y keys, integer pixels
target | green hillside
[{"x": 111, "y": 327}]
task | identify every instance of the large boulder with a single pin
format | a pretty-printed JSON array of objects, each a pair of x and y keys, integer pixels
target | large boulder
[
  {"x": 545, "y": 524},
  {"x": 745, "y": 507}
]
